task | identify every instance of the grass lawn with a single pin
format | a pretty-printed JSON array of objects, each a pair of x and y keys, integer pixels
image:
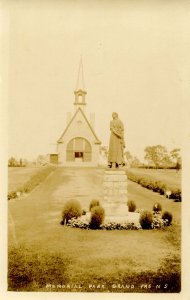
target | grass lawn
[
  {"x": 18, "y": 176},
  {"x": 45, "y": 256}
]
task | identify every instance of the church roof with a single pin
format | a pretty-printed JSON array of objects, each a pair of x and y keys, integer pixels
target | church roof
[{"x": 88, "y": 123}]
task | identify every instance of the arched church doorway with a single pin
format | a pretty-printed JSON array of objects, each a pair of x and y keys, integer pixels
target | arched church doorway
[{"x": 79, "y": 149}]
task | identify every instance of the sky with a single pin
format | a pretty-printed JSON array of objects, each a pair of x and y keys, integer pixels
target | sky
[{"x": 135, "y": 60}]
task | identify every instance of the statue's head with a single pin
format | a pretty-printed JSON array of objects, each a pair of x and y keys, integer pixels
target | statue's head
[{"x": 115, "y": 115}]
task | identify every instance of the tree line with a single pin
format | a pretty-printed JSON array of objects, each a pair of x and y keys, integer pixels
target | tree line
[
  {"x": 156, "y": 156},
  {"x": 41, "y": 160}
]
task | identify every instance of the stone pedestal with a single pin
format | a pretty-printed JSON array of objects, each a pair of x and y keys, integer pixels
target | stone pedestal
[
  {"x": 115, "y": 186},
  {"x": 115, "y": 195}
]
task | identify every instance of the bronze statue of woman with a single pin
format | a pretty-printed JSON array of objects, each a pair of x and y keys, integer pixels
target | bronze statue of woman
[{"x": 116, "y": 143}]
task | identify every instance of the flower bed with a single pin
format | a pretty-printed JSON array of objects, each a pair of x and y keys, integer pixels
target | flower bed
[
  {"x": 146, "y": 219},
  {"x": 78, "y": 223},
  {"x": 157, "y": 222}
]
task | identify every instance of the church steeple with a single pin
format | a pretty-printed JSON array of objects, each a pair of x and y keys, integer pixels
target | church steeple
[{"x": 80, "y": 92}]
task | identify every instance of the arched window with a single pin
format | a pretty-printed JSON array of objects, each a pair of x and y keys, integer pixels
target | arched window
[{"x": 79, "y": 149}]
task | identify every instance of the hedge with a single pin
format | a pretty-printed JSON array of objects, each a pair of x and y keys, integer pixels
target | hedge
[
  {"x": 155, "y": 185},
  {"x": 34, "y": 181}
]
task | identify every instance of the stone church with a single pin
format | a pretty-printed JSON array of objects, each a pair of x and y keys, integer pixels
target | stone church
[{"x": 79, "y": 145}]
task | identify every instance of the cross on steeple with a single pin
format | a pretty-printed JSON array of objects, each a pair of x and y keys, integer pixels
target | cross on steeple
[{"x": 80, "y": 92}]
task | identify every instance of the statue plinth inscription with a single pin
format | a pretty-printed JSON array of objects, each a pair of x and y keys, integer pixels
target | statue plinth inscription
[{"x": 115, "y": 193}]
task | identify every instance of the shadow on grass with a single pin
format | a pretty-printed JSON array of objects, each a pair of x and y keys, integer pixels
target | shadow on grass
[
  {"x": 45, "y": 272},
  {"x": 30, "y": 270}
]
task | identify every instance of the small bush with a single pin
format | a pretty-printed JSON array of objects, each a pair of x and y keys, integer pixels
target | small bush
[
  {"x": 167, "y": 216},
  {"x": 176, "y": 194},
  {"x": 146, "y": 219},
  {"x": 72, "y": 209},
  {"x": 97, "y": 217},
  {"x": 93, "y": 203},
  {"x": 12, "y": 195},
  {"x": 163, "y": 189},
  {"x": 143, "y": 182},
  {"x": 131, "y": 206},
  {"x": 150, "y": 185},
  {"x": 157, "y": 207},
  {"x": 157, "y": 186}
]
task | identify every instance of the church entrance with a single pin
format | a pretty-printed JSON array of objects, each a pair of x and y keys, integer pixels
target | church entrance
[
  {"x": 78, "y": 156},
  {"x": 79, "y": 150}
]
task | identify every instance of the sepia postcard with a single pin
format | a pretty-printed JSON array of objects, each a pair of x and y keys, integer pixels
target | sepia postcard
[{"x": 95, "y": 146}]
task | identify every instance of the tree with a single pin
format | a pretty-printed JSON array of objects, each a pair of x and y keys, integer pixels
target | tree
[
  {"x": 136, "y": 163},
  {"x": 21, "y": 162},
  {"x": 157, "y": 156},
  {"x": 128, "y": 157},
  {"x": 178, "y": 165},
  {"x": 104, "y": 151},
  {"x": 42, "y": 160},
  {"x": 12, "y": 162},
  {"x": 176, "y": 158},
  {"x": 175, "y": 154},
  {"x": 131, "y": 160}
]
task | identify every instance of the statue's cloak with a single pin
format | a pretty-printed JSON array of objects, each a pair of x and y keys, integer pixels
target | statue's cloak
[{"x": 116, "y": 144}]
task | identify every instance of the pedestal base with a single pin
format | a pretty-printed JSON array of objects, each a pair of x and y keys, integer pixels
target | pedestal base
[
  {"x": 115, "y": 187},
  {"x": 130, "y": 217},
  {"x": 116, "y": 209}
]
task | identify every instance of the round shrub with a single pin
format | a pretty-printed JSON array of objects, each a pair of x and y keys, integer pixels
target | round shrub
[
  {"x": 176, "y": 194},
  {"x": 143, "y": 182},
  {"x": 150, "y": 185},
  {"x": 93, "y": 203},
  {"x": 72, "y": 209},
  {"x": 157, "y": 186},
  {"x": 157, "y": 207},
  {"x": 163, "y": 189},
  {"x": 97, "y": 217},
  {"x": 146, "y": 219},
  {"x": 167, "y": 216},
  {"x": 131, "y": 205},
  {"x": 12, "y": 195}
]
